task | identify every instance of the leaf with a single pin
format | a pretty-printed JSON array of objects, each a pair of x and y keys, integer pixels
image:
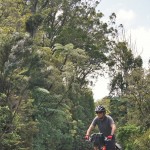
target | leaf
[{"x": 58, "y": 46}]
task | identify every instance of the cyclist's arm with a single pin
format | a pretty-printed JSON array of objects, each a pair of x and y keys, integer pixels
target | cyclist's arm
[
  {"x": 113, "y": 128},
  {"x": 91, "y": 127}
]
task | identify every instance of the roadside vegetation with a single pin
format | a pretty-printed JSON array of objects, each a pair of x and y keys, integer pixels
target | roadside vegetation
[{"x": 48, "y": 49}]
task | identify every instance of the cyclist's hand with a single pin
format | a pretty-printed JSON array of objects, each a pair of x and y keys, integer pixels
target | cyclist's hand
[
  {"x": 110, "y": 137},
  {"x": 86, "y": 137}
]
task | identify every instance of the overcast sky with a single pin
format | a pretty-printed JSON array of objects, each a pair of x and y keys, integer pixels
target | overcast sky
[{"x": 135, "y": 17}]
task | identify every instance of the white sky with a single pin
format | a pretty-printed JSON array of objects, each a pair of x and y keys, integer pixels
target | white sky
[{"x": 135, "y": 17}]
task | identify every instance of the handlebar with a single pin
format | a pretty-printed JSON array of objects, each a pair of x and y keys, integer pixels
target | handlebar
[
  {"x": 101, "y": 139},
  {"x": 107, "y": 139},
  {"x": 98, "y": 138}
]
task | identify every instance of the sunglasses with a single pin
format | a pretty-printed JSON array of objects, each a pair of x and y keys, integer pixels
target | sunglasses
[{"x": 99, "y": 112}]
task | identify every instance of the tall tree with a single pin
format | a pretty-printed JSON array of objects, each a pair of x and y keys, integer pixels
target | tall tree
[
  {"x": 138, "y": 93},
  {"x": 121, "y": 63}
]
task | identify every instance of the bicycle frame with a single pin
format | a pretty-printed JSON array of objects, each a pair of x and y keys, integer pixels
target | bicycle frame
[{"x": 104, "y": 147}]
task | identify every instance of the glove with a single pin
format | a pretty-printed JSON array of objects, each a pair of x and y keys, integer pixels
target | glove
[
  {"x": 87, "y": 137},
  {"x": 110, "y": 137}
]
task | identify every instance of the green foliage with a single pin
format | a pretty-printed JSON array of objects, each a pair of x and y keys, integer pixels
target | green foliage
[
  {"x": 54, "y": 123},
  {"x": 118, "y": 109},
  {"x": 5, "y": 118},
  {"x": 133, "y": 132},
  {"x": 32, "y": 23},
  {"x": 143, "y": 141},
  {"x": 13, "y": 16},
  {"x": 138, "y": 90},
  {"x": 121, "y": 63},
  {"x": 45, "y": 101},
  {"x": 127, "y": 135}
]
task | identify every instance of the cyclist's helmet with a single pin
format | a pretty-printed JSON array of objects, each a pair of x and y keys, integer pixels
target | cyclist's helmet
[{"x": 100, "y": 109}]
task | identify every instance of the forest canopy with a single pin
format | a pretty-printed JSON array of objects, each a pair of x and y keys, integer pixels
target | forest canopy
[{"x": 48, "y": 49}]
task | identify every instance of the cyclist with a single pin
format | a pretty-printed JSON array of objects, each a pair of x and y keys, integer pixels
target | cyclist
[{"x": 105, "y": 125}]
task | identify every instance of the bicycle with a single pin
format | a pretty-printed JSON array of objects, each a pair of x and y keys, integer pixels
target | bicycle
[{"x": 100, "y": 142}]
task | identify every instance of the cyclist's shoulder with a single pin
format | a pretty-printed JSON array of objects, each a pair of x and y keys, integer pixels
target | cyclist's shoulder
[
  {"x": 95, "y": 119},
  {"x": 109, "y": 117}
]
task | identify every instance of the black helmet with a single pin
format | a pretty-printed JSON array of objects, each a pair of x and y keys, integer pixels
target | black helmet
[{"x": 100, "y": 109}]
